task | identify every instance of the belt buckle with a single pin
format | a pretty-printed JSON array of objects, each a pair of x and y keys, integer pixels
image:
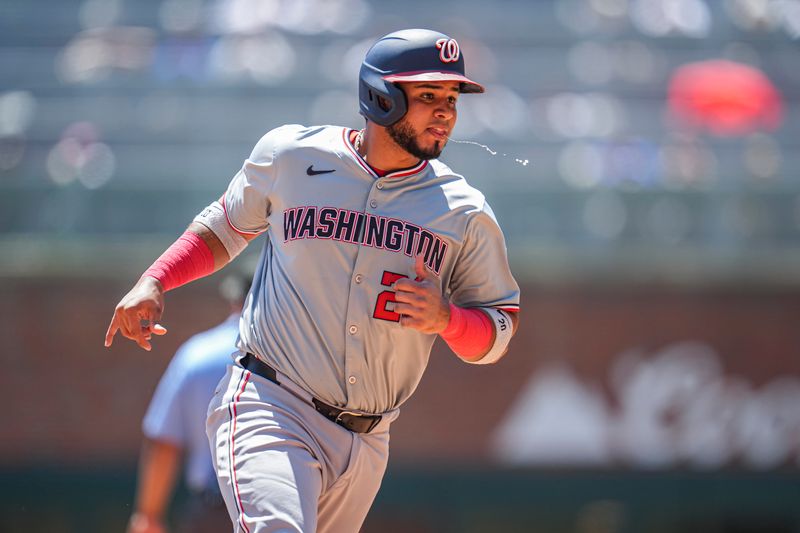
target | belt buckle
[
  {"x": 374, "y": 422},
  {"x": 338, "y": 418}
]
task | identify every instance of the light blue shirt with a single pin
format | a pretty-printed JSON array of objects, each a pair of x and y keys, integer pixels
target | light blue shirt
[{"x": 177, "y": 412}]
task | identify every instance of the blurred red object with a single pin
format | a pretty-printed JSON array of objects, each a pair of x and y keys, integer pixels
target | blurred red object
[{"x": 725, "y": 98}]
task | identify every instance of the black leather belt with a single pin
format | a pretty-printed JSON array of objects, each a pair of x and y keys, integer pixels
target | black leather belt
[{"x": 354, "y": 421}]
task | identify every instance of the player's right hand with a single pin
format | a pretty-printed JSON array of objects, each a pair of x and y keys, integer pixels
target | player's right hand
[
  {"x": 420, "y": 302},
  {"x": 137, "y": 314}
]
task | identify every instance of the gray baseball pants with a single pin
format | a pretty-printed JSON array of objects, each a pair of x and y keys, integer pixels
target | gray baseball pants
[{"x": 282, "y": 466}]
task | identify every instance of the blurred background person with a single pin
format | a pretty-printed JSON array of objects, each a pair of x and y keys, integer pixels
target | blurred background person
[{"x": 174, "y": 429}]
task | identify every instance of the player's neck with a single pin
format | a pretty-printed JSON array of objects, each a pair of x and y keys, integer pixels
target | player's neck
[{"x": 380, "y": 151}]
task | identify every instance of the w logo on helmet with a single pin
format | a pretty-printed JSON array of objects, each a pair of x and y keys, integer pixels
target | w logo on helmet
[{"x": 448, "y": 50}]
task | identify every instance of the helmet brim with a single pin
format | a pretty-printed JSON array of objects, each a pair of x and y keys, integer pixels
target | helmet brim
[{"x": 467, "y": 85}]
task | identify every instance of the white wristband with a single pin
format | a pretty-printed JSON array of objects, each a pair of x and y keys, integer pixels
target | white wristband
[
  {"x": 504, "y": 330},
  {"x": 213, "y": 217}
]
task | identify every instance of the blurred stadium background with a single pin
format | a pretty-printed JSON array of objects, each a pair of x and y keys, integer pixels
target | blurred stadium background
[{"x": 650, "y": 197}]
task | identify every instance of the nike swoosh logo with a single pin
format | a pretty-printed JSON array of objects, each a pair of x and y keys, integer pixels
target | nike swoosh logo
[{"x": 311, "y": 172}]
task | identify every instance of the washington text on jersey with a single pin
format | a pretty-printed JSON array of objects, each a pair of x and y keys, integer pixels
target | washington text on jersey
[{"x": 311, "y": 222}]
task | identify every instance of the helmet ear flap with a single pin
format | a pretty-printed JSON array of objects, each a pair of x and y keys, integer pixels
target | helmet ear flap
[{"x": 372, "y": 90}]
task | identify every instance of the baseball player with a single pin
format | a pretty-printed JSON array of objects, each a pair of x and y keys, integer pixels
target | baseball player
[
  {"x": 374, "y": 248},
  {"x": 174, "y": 429}
]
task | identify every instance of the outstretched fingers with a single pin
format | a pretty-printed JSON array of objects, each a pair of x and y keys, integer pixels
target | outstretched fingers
[
  {"x": 113, "y": 327},
  {"x": 135, "y": 324},
  {"x": 137, "y": 314}
]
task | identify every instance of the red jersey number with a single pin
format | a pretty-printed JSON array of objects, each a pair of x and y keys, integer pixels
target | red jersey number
[{"x": 387, "y": 296}]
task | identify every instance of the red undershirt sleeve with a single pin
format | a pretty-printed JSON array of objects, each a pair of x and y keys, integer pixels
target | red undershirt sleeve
[
  {"x": 187, "y": 259},
  {"x": 469, "y": 332}
]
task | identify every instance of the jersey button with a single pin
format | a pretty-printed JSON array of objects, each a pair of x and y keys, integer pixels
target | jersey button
[
  {"x": 359, "y": 278},
  {"x": 352, "y": 380},
  {"x": 353, "y": 330},
  {"x": 379, "y": 185},
  {"x": 373, "y": 204}
]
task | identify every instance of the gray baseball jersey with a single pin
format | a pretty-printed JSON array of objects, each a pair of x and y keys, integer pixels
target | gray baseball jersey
[{"x": 320, "y": 309}]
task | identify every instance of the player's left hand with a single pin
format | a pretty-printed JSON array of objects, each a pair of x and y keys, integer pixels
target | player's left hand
[{"x": 420, "y": 302}]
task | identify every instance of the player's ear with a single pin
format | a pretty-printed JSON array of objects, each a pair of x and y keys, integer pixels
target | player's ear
[{"x": 383, "y": 103}]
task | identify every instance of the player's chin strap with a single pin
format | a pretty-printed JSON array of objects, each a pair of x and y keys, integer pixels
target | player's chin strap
[
  {"x": 214, "y": 218},
  {"x": 503, "y": 332}
]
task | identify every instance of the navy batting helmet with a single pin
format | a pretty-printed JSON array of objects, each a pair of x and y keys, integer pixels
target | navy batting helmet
[{"x": 407, "y": 55}]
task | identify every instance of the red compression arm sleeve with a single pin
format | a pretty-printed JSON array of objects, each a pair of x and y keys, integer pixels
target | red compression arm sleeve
[
  {"x": 469, "y": 332},
  {"x": 189, "y": 258}
]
